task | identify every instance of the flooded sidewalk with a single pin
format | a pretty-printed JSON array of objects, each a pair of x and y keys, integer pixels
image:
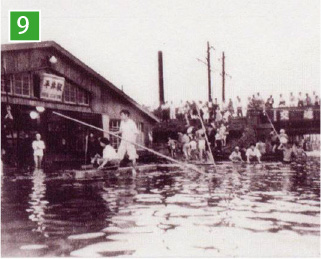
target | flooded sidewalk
[{"x": 264, "y": 210}]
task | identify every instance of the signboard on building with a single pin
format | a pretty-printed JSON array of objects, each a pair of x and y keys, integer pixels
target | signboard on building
[{"x": 51, "y": 87}]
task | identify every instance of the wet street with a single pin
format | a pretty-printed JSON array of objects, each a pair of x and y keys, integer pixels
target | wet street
[{"x": 241, "y": 210}]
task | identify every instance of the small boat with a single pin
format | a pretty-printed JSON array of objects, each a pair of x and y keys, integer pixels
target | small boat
[{"x": 94, "y": 173}]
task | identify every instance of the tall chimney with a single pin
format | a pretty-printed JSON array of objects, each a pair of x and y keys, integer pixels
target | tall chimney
[{"x": 161, "y": 78}]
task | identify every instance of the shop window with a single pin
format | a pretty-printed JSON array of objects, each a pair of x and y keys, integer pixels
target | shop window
[
  {"x": 70, "y": 93},
  {"x": 141, "y": 127},
  {"x": 21, "y": 84},
  {"x": 83, "y": 97},
  {"x": 114, "y": 126}
]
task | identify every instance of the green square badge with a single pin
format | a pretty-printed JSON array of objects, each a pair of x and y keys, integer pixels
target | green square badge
[{"x": 24, "y": 26}]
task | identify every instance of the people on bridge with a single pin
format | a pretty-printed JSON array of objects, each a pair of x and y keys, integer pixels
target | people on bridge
[
  {"x": 308, "y": 101},
  {"x": 300, "y": 100},
  {"x": 316, "y": 101},
  {"x": 269, "y": 103},
  {"x": 281, "y": 101},
  {"x": 292, "y": 101}
]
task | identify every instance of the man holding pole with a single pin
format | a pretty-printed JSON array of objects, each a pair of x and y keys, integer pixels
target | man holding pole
[{"x": 129, "y": 132}]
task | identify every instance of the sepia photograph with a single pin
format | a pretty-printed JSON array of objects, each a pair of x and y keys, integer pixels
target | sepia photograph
[{"x": 160, "y": 128}]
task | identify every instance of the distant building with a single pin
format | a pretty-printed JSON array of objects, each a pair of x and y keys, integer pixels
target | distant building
[{"x": 38, "y": 78}]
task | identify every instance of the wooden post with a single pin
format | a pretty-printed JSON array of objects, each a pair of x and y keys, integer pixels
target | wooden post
[
  {"x": 209, "y": 72},
  {"x": 223, "y": 77},
  {"x": 161, "y": 78}
]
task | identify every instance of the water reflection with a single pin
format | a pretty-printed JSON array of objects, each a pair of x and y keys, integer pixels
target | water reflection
[
  {"x": 241, "y": 210},
  {"x": 38, "y": 203}
]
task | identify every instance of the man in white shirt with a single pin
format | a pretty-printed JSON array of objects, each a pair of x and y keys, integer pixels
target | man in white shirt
[
  {"x": 253, "y": 153},
  {"x": 281, "y": 101},
  {"x": 239, "y": 107},
  {"x": 300, "y": 100},
  {"x": 38, "y": 147},
  {"x": 172, "y": 111},
  {"x": 109, "y": 154},
  {"x": 129, "y": 132},
  {"x": 292, "y": 100}
]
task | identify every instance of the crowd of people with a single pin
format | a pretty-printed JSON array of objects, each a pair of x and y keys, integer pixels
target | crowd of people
[
  {"x": 256, "y": 101},
  {"x": 276, "y": 143},
  {"x": 216, "y": 117},
  {"x": 193, "y": 145},
  {"x": 215, "y": 111}
]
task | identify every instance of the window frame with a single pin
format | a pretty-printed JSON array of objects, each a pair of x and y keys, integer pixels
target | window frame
[
  {"x": 23, "y": 76},
  {"x": 10, "y": 84},
  {"x": 85, "y": 98},
  {"x": 70, "y": 86},
  {"x": 114, "y": 141}
]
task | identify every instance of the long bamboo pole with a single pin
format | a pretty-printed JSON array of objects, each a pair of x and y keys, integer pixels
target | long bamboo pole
[
  {"x": 271, "y": 124},
  {"x": 206, "y": 138},
  {"x": 136, "y": 144}
]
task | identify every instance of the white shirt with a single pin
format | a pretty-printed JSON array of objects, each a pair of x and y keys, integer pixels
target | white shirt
[
  {"x": 38, "y": 147},
  {"x": 128, "y": 130},
  {"x": 253, "y": 153},
  {"x": 300, "y": 98},
  {"x": 226, "y": 115},
  {"x": 109, "y": 153},
  {"x": 238, "y": 103},
  {"x": 193, "y": 145}
]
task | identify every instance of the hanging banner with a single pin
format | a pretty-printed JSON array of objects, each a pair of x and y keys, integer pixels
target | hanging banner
[
  {"x": 284, "y": 115},
  {"x": 51, "y": 87},
  {"x": 308, "y": 114}
]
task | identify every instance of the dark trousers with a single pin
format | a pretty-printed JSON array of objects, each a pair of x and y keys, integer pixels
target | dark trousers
[
  {"x": 239, "y": 112},
  {"x": 300, "y": 104}
]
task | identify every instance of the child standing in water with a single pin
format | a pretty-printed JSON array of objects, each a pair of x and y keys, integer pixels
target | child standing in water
[{"x": 38, "y": 147}]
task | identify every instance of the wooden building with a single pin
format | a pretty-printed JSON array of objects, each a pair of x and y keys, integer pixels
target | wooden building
[{"x": 38, "y": 78}]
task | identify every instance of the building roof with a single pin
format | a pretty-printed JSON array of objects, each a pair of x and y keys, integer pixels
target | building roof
[{"x": 53, "y": 44}]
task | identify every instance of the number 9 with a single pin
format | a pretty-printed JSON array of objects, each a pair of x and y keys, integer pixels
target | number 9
[{"x": 26, "y": 26}]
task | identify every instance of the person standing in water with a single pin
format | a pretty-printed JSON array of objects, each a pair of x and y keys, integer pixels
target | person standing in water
[
  {"x": 129, "y": 132},
  {"x": 38, "y": 147}
]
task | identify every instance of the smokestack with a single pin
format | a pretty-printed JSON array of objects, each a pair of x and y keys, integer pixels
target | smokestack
[{"x": 161, "y": 78}]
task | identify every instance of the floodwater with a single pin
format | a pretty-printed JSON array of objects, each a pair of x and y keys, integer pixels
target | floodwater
[{"x": 241, "y": 210}]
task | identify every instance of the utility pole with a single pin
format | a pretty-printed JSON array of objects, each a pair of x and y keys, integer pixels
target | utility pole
[
  {"x": 161, "y": 78},
  {"x": 209, "y": 72},
  {"x": 223, "y": 77}
]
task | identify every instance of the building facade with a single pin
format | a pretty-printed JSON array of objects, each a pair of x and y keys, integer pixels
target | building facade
[{"x": 39, "y": 78}]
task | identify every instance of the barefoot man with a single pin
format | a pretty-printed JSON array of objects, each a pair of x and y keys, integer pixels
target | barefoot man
[{"x": 129, "y": 132}]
